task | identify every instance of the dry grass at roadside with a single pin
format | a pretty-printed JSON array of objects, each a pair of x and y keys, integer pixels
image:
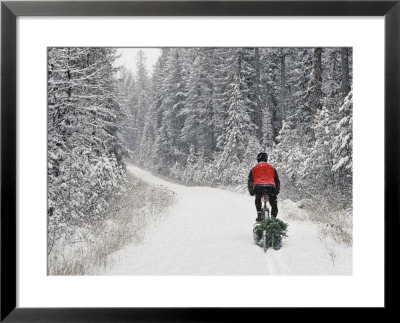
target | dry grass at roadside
[
  {"x": 90, "y": 251},
  {"x": 337, "y": 225},
  {"x": 331, "y": 209}
]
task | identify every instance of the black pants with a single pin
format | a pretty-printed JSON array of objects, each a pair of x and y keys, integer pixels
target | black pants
[{"x": 271, "y": 192}]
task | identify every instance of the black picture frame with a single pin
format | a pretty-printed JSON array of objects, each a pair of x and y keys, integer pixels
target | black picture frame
[{"x": 10, "y": 10}]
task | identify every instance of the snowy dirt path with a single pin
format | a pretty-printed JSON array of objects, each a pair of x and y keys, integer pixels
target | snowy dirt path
[{"x": 208, "y": 231}]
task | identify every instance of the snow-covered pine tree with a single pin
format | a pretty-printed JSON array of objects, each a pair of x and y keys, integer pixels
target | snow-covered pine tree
[
  {"x": 221, "y": 77},
  {"x": 142, "y": 93},
  {"x": 268, "y": 138},
  {"x": 289, "y": 153},
  {"x": 191, "y": 166},
  {"x": 211, "y": 115},
  {"x": 342, "y": 147},
  {"x": 247, "y": 68},
  {"x": 172, "y": 106},
  {"x": 275, "y": 91},
  {"x": 331, "y": 78},
  {"x": 198, "y": 112},
  {"x": 239, "y": 128},
  {"x": 301, "y": 102},
  {"x": 127, "y": 102},
  {"x": 158, "y": 93},
  {"x": 192, "y": 96},
  {"x": 318, "y": 164},
  {"x": 85, "y": 166},
  {"x": 271, "y": 90}
]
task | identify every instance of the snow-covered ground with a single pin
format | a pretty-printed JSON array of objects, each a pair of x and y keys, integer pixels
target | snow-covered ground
[{"x": 208, "y": 231}]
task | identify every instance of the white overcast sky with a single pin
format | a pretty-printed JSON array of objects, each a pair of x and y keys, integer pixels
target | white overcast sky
[{"x": 128, "y": 57}]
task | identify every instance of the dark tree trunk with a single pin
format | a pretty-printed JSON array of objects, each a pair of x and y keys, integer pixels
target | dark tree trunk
[
  {"x": 345, "y": 72},
  {"x": 258, "y": 96},
  {"x": 317, "y": 79},
  {"x": 212, "y": 130},
  {"x": 283, "y": 81}
]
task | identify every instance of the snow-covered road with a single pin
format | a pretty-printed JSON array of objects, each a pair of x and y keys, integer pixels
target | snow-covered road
[{"x": 208, "y": 231}]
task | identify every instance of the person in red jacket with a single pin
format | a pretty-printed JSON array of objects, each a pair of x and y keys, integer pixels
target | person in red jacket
[{"x": 264, "y": 179}]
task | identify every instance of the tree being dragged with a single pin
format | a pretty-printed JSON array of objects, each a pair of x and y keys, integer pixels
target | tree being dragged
[{"x": 85, "y": 166}]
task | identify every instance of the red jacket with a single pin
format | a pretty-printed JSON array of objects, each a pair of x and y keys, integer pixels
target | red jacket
[{"x": 263, "y": 174}]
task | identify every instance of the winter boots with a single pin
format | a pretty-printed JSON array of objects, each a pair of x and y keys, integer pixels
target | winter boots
[{"x": 259, "y": 216}]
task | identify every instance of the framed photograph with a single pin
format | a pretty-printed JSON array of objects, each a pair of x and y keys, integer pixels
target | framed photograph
[{"x": 193, "y": 160}]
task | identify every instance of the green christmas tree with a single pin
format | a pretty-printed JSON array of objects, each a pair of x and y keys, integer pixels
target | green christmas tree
[{"x": 275, "y": 231}]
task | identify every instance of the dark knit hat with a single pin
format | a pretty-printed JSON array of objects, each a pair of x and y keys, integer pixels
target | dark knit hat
[{"x": 262, "y": 157}]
